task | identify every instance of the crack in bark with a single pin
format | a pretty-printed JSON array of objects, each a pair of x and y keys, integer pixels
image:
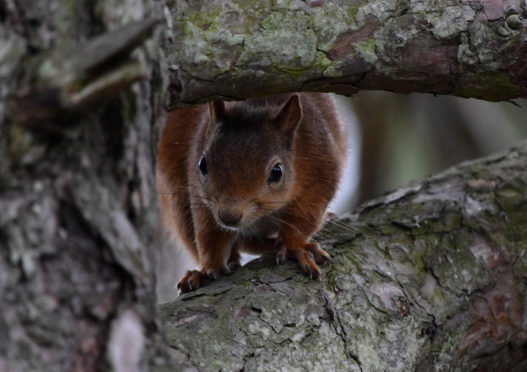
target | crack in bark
[{"x": 336, "y": 324}]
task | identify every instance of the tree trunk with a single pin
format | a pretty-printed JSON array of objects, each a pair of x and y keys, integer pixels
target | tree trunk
[
  {"x": 81, "y": 86},
  {"x": 77, "y": 193},
  {"x": 468, "y": 49},
  {"x": 431, "y": 277}
]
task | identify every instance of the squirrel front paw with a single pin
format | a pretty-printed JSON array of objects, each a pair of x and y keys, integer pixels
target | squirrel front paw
[
  {"x": 192, "y": 280},
  {"x": 195, "y": 279},
  {"x": 307, "y": 256}
]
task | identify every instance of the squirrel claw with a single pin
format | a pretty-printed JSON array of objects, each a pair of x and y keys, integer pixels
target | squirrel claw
[
  {"x": 191, "y": 281},
  {"x": 319, "y": 254},
  {"x": 307, "y": 270},
  {"x": 212, "y": 274},
  {"x": 311, "y": 269},
  {"x": 281, "y": 255},
  {"x": 232, "y": 266},
  {"x": 307, "y": 256}
]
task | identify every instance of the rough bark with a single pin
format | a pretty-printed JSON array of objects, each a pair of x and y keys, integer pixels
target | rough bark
[
  {"x": 431, "y": 277},
  {"x": 468, "y": 49},
  {"x": 78, "y": 209}
]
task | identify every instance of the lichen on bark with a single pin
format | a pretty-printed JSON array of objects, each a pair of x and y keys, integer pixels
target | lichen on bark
[{"x": 347, "y": 46}]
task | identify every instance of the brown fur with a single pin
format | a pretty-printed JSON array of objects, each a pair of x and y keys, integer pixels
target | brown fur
[{"x": 241, "y": 143}]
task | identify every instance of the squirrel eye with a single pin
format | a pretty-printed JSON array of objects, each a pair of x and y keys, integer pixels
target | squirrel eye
[
  {"x": 276, "y": 173},
  {"x": 203, "y": 166}
]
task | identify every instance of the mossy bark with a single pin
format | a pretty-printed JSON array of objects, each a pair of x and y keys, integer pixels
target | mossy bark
[
  {"x": 430, "y": 277},
  {"x": 468, "y": 49}
]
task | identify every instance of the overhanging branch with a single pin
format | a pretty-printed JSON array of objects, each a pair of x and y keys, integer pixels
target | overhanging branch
[{"x": 233, "y": 50}]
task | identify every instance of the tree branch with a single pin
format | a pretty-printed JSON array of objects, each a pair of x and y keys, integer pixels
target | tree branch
[
  {"x": 433, "y": 274},
  {"x": 467, "y": 49}
]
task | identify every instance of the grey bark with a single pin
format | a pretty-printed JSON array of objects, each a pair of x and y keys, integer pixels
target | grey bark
[
  {"x": 469, "y": 49},
  {"x": 78, "y": 208},
  {"x": 81, "y": 91}
]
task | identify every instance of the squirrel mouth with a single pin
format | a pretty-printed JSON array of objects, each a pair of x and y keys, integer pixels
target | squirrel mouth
[{"x": 230, "y": 228}]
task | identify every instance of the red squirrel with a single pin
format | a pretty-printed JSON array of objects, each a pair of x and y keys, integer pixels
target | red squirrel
[{"x": 250, "y": 176}]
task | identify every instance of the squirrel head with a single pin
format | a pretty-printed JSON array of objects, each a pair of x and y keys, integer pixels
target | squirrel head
[{"x": 246, "y": 168}]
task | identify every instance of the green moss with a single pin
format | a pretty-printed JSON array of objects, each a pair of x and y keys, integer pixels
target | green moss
[
  {"x": 354, "y": 260},
  {"x": 520, "y": 267},
  {"x": 321, "y": 62},
  {"x": 495, "y": 86},
  {"x": 508, "y": 194},
  {"x": 352, "y": 13},
  {"x": 293, "y": 72},
  {"x": 366, "y": 49},
  {"x": 450, "y": 342},
  {"x": 281, "y": 27},
  {"x": 19, "y": 143},
  {"x": 342, "y": 21},
  {"x": 206, "y": 18}
]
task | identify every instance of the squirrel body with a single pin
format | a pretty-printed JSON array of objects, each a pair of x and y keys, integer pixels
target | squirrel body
[{"x": 250, "y": 176}]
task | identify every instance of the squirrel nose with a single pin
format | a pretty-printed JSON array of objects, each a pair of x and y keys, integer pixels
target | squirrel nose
[{"x": 230, "y": 218}]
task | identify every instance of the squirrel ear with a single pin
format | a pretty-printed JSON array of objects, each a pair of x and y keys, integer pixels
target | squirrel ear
[
  {"x": 290, "y": 116},
  {"x": 217, "y": 111}
]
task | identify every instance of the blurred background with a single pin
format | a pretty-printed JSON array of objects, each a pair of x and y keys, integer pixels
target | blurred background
[
  {"x": 404, "y": 138},
  {"x": 395, "y": 139}
]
